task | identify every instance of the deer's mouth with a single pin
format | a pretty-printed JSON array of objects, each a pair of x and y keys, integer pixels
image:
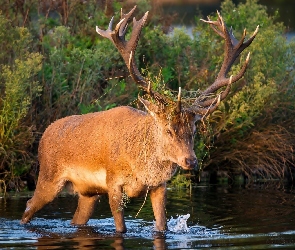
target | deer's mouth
[{"x": 189, "y": 163}]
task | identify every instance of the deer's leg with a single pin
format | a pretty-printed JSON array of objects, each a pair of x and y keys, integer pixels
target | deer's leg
[
  {"x": 84, "y": 210},
  {"x": 45, "y": 192},
  {"x": 115, "y": 200},
  {"x": 158, "y": 198}
]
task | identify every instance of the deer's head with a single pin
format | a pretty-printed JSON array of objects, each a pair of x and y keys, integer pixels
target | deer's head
[
  {"x": 175, "y": 130},
  {"x": 175, "y": 122}
]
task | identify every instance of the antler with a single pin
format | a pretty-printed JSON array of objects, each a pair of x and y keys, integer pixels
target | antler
[
  {"x": 203, "y": 105},
  {"x": 233, "y": 49},
  {"x": 127, "y": 48}
]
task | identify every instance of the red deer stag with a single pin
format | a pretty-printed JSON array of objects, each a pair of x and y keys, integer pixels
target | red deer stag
[{"x": 125, "y": 150}]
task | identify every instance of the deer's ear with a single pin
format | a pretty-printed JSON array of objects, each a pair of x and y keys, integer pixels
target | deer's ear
[{"x": 151, "y": 108}]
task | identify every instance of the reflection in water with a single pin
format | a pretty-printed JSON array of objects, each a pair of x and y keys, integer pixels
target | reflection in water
[
  {"x": 207, "y": 217},
  {"x": 60, "y": 234},
  {"x": 85, "y": 237},
  {"x": 89, "y": 239}
]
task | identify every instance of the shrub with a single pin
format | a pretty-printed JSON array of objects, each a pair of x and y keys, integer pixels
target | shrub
[
  {"x": 251, "y": 131},
  {"x": 18, "y": 89},
  {"x": 260, "y": 105}
]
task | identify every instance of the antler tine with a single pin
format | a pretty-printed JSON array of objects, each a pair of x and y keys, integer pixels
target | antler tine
[
  {"x": 208, "y": 106},
  {"x": 178, "y": 104},
  {"x": 233, "y": 48},
  {"x": 218, "y": 23},
  {"x": 207, "y": 102},
  {"x": 106, "y": 33},
  {"x": 250, "y": 40},
  {"x": 110, "y": 24},
  {"x": 127, "y": 48},
  {"x": 126, "y": 18},
  {"x": 203, "y": 112}
]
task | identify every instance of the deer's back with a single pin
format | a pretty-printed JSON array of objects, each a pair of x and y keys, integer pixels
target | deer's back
[{"x": 91, "y": 139}]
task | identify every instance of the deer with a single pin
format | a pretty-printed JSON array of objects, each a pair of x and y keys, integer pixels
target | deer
[{"x": 125, "y": 150}]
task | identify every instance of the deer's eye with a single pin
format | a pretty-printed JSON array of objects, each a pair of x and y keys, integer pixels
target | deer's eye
[{"x": 168, "y": 131}]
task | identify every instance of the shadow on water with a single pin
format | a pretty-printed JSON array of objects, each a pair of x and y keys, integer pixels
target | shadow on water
[{"x": 206, "y": 217}]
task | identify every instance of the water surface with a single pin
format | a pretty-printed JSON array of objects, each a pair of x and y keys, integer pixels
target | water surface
[{"x": 205, "y": 217}]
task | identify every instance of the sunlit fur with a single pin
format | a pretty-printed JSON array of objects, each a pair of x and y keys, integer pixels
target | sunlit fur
[{"x": 122, "y": 150}]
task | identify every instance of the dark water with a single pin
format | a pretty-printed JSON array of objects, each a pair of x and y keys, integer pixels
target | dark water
[{"x": 203, "y": 218}]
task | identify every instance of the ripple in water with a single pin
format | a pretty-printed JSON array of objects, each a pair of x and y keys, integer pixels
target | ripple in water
[
  {"x": 58, "y": 232},
  {"x": 137, "y": 228}
]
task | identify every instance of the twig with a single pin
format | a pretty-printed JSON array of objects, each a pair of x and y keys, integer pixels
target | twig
[{"x": 143, "y": 202}]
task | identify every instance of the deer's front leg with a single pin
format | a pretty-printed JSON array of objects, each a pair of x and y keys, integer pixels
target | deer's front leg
[
  {"x": 158, "y": 198},
  {"x": 115, "y": 200}
]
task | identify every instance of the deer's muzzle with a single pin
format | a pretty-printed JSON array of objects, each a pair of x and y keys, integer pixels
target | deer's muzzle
[{"x": 190, "y": 163}]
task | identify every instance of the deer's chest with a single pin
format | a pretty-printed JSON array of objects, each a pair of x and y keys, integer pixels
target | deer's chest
[
  {"x": 133, "y": 190},
  {"x": 138, "y": 184}
]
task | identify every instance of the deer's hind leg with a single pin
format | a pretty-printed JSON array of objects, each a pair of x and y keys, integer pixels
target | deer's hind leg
[
  {"x": 46, "y": 191},
  {"x": 86, "y": 205}
]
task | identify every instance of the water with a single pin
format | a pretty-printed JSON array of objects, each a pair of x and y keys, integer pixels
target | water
[{"x": 204, "y": 218}]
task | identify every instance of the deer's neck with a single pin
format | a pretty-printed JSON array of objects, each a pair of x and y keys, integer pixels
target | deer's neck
[{"x": 145, "y": 153}]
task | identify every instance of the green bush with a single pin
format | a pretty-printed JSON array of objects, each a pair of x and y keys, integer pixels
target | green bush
[
  {"x": 259, "y": 106},
  {"x": 241, "y": 137},
  {"x": 18, "y": 89},
  {"x": 59, "y": 66}
]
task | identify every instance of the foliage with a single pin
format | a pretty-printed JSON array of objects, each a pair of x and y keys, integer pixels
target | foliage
[
  {"x": 248, "y": 133},
  {"x": 243, "y": 123},
  {"x": 171, "y": 52},
  {"x": 181, "y": 180},
  {"x": 75, "y": 76},
  {"x": 18, "y": 89},
  {"x": 259, "y": 104},
  {"x": 53, "y": 64}
]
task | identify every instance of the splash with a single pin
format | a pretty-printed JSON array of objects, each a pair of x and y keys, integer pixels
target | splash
[{"x": 179, "y": 224}]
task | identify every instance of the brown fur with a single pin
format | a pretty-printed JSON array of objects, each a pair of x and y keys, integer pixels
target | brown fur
[{"x": 115, "y": 151}]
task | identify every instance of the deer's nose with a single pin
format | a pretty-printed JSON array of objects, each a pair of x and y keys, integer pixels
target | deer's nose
[{"x": 191, "y": 163}]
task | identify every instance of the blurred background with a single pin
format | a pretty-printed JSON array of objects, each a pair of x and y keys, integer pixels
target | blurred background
[{"x": 184, "y": 11}]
